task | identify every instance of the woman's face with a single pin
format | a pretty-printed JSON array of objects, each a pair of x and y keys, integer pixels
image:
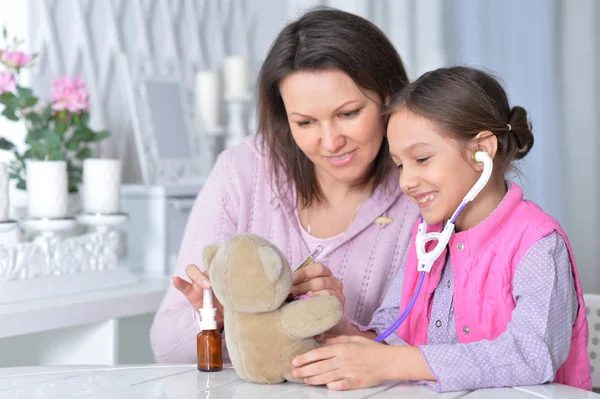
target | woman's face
[{"x": 337, "y": 125}]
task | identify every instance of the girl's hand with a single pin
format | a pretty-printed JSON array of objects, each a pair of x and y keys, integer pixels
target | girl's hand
[
  {"x": 194, "y": 291},
  {"x": 348, "y": 363},
  {"x": 317, "y": 280},
  {"x": 359, "y": 362}
]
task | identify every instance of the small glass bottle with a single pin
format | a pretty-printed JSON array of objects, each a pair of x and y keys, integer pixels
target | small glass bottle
[{"x": 208, "y": 342}]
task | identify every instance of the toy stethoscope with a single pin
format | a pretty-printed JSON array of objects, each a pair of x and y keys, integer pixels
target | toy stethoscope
[{"x": 426, "y": 259}]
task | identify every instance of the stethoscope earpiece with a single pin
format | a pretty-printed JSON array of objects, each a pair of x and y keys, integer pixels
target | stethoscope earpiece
[{"x": 480, "y": 156}]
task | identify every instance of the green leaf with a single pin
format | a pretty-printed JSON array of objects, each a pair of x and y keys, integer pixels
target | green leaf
[
  {"x": 38, "y": 151},
  {"x": 84, "y": 133},
  {"x": 87, "y": 134},
  {"x": 24, "y": 92},
  {"x": 84, "y": 118},
  {"x": 33, "y": 135},
  {"x": 7, "y": 98},
  {"x": 26, "y": 98},
  {"x": 18, "y": 157},
  {"x": 52, "y": 139},
  {"x": 5, "y": 144},
  {"x": 60, "y": 127},
  {"x": 21, "y": 185},
  {"x": 57, "y": 156},
  {"x": 9, "y": 113},
  {"x": 47, "y": 114},
  {"x": 101, "y": 135},
  {"x": 85, "y": 153},
  {"x": 26, "y": 102},
  {"x": 34, "y": 117},
  {"x": 72, "y": 144},
  {"x": 30, "y": 102}
]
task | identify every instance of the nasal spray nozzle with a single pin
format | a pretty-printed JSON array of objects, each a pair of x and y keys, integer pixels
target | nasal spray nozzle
[{"x": 208, "y": 312}]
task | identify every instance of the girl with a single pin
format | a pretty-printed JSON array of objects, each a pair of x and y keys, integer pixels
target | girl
[{"x": 502, "y": 305}]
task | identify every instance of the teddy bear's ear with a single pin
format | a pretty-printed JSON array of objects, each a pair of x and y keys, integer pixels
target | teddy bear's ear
[
  {"x": 208, "y": 253},
  {"x": 271, "y": 263}
]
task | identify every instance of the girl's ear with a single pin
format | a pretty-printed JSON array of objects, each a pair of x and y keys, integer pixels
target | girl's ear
[{"x": 484, "y": 141}]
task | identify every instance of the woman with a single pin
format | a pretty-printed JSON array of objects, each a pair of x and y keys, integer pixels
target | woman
[{"x": 318, "y": 172}]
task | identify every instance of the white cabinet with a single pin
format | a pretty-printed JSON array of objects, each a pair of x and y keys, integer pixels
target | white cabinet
[{"x": 157, "y": 220}]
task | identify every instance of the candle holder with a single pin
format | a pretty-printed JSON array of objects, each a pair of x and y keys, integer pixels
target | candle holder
[
  {"x": 9, "y": 233},
  {"x": 102, "y": 222},
  {"x": 49, "y": 263},
  {"x": 236, "y": 121},
  {"x": 8, "y": 225},
  {"x": 48, "y": 227}
]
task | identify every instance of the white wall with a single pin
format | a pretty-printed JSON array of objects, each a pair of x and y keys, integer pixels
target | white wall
[{"x": 578, "y": 41}]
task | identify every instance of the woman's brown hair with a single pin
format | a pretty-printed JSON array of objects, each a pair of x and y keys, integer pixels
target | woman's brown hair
[
  {"x": 323, "y": 39},
  {"x": 464, "y": 101}
]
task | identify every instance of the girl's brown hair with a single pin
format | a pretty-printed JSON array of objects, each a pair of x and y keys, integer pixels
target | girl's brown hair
[
  {"x": 465, "y": 101},
  {"x": 323, "y": 39}
]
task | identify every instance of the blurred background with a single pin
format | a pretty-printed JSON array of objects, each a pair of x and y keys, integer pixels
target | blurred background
[{"x": 547, "y": 53}]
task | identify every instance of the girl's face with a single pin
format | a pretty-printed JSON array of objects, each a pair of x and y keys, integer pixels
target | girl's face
[
  {"x": 434, "y": 171},
  {"x": 337, "y": 125}
]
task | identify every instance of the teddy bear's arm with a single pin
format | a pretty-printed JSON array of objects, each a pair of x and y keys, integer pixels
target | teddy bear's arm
[{"x": 309, "y": 317}]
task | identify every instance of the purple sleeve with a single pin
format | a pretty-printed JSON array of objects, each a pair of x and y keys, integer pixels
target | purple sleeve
[
  {"x": 537, "y": 340},
  {"x": 389, "y": 310},
  {"x": 173, "y": 332}
]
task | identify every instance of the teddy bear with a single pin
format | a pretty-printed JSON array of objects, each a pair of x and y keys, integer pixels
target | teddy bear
[{"x": 252, "y": 279}]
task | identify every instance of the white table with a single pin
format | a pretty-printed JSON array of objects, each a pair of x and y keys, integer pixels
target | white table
[
  {"x": 185, "y": 381},
  {"x": 106, "y": 326}
]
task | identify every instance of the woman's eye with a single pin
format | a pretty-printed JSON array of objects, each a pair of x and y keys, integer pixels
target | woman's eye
[
  {"x": 350, "y": 114},
  {"x": 422, "y": 160},
  {"x": 303, "y": 123}
]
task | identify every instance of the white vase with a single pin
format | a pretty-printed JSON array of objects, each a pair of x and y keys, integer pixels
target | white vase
[{"x": 47, "y": 189}]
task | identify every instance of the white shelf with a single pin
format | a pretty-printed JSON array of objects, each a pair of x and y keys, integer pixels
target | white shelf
[{"x": 31, "y": 316}]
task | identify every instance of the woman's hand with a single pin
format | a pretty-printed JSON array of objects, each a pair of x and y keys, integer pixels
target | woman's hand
[
  {"x": 347, "y": 363},
  {"x": 194, "y": 291},
  {"x": 358, "y": 362},
  {"x": 317, "y": 280}
]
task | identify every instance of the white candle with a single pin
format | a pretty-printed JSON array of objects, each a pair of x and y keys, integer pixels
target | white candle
[
  {"x": 47, "y": 189},
  {"x": 3, "y": 192},
  {"x": 208, "y": 98},
  {"x": 236, "y": 75},
  {"x": 101, "y": 186}
]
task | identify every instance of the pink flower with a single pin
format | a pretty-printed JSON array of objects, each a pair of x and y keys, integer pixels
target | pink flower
[
  {"x": 70, "y": 94},
  {"x": 7, "y": 81},
  {"x": 15, "y": 59}
]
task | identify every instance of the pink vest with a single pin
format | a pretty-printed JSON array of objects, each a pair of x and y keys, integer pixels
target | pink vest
[{"x": 484, "y": 259}]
